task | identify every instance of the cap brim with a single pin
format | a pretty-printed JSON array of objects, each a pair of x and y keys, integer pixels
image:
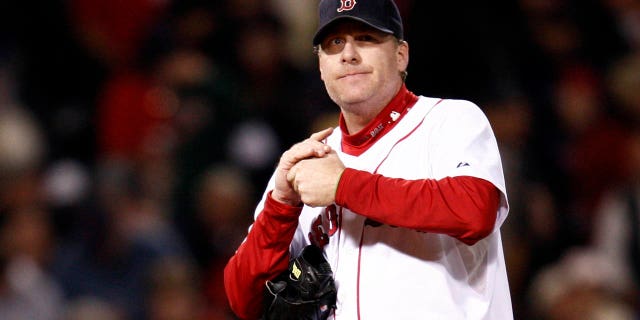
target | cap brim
[{"x": 322, "y": 30}]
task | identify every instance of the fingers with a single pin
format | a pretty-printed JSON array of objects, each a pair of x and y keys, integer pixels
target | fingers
[
  {"x": 291, "y": 178},
  {"x": 316, "y": 180},
  {"x": 298, "y": 153},
  {"x": 316, "y": 142},
  {"x": 321, "y": 135},
  {"x": 286, "y": 186},
  {"x": 311, "y": 147}
]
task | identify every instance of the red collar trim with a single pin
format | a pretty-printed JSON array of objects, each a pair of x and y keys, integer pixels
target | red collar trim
[{"x": 359, "y": 142}]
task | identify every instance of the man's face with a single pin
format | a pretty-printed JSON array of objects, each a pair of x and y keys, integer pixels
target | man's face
[{"x": 361, "y": 65}]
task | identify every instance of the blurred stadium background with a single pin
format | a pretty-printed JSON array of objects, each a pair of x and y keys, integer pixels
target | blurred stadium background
[{"x": 136, "y": 136}]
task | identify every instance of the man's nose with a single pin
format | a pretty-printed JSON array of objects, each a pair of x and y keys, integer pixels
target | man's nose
[{"x": 350, "y": 52}]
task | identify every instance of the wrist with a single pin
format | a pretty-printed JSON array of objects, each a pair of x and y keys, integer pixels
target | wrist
[{"x": 278, "y": 197}]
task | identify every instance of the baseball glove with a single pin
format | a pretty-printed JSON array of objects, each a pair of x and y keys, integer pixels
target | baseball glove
[{"x": 306, "y": 291}]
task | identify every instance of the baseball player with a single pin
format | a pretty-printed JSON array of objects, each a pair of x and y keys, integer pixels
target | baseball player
[{"x": 406, "y": 196}]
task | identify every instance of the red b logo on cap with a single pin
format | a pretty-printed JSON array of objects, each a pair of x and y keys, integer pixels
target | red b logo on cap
[{"x": 346, "y": 5}]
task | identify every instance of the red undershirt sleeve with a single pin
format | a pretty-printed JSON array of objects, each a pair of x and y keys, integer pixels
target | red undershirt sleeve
[
  {"x": 263, "y": 255},
  {"x": 463, "y": 207}
]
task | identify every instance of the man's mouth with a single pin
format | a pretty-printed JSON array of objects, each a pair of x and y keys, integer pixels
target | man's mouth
[{"x": 351, "y": 74}]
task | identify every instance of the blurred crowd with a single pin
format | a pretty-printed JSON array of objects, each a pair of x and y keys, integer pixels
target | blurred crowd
[{"x": 136, "y": 137}]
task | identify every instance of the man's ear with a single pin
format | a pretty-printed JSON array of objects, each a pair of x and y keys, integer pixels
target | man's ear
[
  {"x": 402, "y": 55},
  {"x": 320, "y": 69}
]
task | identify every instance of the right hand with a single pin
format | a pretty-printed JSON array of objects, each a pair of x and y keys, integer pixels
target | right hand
[{"x": 311, "y": 147}]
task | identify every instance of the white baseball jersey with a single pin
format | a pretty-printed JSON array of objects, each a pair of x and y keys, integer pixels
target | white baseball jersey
[{"x": 386, "y": 272}]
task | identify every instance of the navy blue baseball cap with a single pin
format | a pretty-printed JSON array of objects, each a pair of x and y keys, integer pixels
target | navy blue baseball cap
[{"x": 380, "y": 14}]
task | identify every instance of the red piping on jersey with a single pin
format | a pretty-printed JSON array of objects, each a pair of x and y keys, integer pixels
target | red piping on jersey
[
  {"x": 468, "y": 220},
  {"x": 358, "y": 275},
  {"x": 402, "y": 139},
  {"x": 339, "y": 235},
  {"x": 364, "y": 223}
]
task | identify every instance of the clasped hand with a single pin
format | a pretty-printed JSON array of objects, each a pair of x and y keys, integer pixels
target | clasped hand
[{"x": 308, "y": 172}]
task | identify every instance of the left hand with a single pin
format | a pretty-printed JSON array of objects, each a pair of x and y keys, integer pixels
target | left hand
[
  {"x": 284, "y": 191},
  {"x": 316, "y": 179}
]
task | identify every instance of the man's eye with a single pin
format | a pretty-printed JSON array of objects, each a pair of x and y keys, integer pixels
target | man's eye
[
  {"x": 337, "y": 41},
  {"x": 365, "y": 37}
]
